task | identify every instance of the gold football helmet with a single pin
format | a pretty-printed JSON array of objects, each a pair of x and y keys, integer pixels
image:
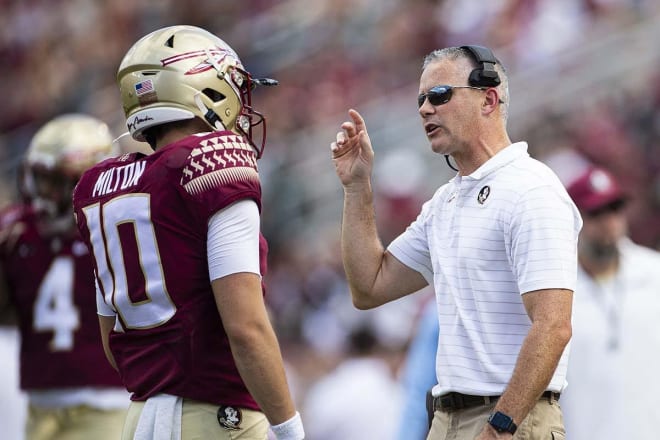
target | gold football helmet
[
  {"x": 57, "y": 156},
  {"x": 182, "y": 72}
]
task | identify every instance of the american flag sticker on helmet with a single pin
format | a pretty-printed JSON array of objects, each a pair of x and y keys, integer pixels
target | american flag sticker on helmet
[{"x": 144, "y": 87}]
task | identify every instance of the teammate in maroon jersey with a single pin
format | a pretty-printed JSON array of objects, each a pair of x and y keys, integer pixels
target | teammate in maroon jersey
[
  {"x": 47, "y": 275},
  {"x": 178, "y": 250}
]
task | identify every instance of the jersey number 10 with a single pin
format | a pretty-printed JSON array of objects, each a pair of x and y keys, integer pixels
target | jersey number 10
[{"x": 103, "y": 222}]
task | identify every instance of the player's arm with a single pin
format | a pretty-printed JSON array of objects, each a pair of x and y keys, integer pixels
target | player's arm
[
  {"x": 106, "y": 323},
  {"x": 253, "y": 343},
  {"x": 550, "y": 313},
  {"x": 233, "y": 247},
  {"x": 374, "y": 275},
  {"x": 107, "y": 319}
]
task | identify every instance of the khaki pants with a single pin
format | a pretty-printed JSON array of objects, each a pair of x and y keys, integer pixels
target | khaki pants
[
  {"x": 74, "y": 423},
  {"x": 544, "y": 422},
  {"x": 199, "y": 421}
]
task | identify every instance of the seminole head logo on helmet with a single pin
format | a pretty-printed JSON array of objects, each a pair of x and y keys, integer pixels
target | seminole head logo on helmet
[{"x": 182, "y": 72}]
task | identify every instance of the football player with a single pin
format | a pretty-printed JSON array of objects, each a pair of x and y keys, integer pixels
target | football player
[
  {"x": 178, "y": 250},
  {"x": 47, "y": 279}
]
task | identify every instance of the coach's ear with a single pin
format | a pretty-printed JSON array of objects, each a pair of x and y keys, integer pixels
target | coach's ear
[{"x": 491, "y": 101}]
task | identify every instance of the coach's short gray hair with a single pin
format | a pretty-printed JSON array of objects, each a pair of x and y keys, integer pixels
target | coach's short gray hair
[{"x": 455, "y": 53}]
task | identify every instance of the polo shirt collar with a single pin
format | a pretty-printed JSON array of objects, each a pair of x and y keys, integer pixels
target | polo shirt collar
[{"x": 504, "y": 157}]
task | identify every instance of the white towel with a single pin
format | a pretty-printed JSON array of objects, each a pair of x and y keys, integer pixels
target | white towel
[{"x": 160, "y": 418}]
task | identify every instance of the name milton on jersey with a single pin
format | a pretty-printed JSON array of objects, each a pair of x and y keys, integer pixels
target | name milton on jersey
[{"x": 118, "y": 178}]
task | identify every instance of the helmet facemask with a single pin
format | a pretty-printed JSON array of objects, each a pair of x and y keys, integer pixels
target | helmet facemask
[{"x": 241, "y": 82}]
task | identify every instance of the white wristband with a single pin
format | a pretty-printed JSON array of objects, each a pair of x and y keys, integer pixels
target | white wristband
[{"x": 292, "y": 429}]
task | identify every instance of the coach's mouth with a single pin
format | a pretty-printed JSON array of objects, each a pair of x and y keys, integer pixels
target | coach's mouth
[{"x": 431, "y": 128}]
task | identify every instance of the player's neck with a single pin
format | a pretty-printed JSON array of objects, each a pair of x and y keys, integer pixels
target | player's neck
[
  {"x": 171, "y": 137},
  {"x": 180, "y": 130}
]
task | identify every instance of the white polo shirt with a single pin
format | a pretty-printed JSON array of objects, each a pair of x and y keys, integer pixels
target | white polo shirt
[{"x": 482, "y": 241}]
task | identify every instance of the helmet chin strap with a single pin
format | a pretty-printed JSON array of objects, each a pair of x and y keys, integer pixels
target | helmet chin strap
[
  {"x": 449, "y": 163},
  {"x": 210, "y": 116}
]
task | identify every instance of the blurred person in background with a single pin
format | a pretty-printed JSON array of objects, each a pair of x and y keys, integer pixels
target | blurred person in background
[
  {"x": 418, "y": 376},
  {"x": 498, "y": 243},
  {"x": 47, "y": 282},
  {"x": 178, "y": 252},
  {"x": 360, "y": 398},
  {"x": 612, "y": 376}
]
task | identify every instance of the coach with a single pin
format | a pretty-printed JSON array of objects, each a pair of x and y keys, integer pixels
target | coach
[{"x": 497, "y": 242}]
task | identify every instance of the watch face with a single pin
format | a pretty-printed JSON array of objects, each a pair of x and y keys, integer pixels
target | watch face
[{"x": 501, "y": 422}]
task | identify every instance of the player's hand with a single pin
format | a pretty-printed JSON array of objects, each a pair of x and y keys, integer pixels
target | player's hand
[{"x": 352, "y": 153}]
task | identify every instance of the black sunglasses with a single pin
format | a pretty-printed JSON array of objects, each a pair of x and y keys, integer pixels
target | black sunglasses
[{"x": 439, "y": 95}]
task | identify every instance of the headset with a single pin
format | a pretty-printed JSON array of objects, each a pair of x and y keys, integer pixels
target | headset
[{"x": 485, "y": 75}]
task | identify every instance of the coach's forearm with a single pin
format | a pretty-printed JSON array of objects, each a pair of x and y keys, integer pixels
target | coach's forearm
[
  {"x": 362, "y": 250},
  {"x": 537, "y": 361}
]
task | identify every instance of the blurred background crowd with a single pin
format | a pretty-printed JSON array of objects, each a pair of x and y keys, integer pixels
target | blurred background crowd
[{"x": 584, "y": 82}]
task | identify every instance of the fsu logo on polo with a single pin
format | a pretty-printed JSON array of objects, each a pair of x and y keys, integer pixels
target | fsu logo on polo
[
  {"x": 483, "y": 194},
  {"x": 230, "y": 417}
]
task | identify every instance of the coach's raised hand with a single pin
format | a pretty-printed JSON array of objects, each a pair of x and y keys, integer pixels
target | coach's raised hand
[{"x": 352, "y": 152}]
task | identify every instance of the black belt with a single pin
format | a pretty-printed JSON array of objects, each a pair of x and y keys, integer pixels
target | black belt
[{"x": 455, "y": 401}]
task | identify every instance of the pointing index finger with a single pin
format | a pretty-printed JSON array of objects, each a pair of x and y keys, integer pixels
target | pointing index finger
[{"x": 357, "y": 119}]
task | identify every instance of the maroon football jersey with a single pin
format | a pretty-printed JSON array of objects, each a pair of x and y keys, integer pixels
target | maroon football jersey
[
  {"x": 51, "y": 285},
  {"x": 146, "y": 220}
]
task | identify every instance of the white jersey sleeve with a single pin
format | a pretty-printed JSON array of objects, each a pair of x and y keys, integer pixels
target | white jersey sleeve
[{"x": 233, "y": 240}]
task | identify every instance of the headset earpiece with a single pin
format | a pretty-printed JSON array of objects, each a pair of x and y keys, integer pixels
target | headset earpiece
[{"x": 485, "y": 75}]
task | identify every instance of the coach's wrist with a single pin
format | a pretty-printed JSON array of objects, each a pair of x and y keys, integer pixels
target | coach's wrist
[
  {"x": 292, "y": 429},
  {"x": 358, "y": 187}
]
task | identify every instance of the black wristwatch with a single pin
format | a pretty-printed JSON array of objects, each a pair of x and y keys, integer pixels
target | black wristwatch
[{"x": 502, "y": 423}]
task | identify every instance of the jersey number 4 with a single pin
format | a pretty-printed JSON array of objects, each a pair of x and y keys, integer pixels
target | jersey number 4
[
  {"x": 54, "y": 309},
  {"x": 103, "y": 222}
]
